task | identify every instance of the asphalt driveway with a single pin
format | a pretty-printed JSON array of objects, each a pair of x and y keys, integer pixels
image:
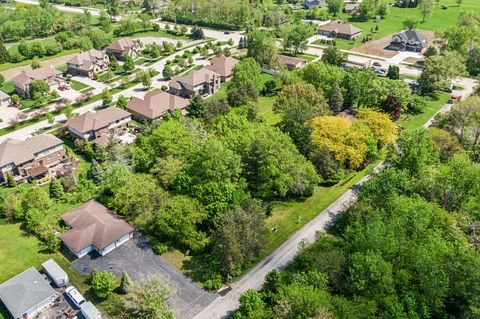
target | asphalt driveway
[{"x": 137, "y": 258}]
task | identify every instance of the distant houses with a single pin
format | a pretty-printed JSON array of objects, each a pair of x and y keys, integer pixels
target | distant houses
[
  {"x": 201, "y": 82},
  {"x": 124, "y": 47},
  {"x": 339, "y": 29},
  {"x": 292, "y": 63},
  {"x": 88, "y": 63},
  {"x": 93, "y": 227},
  {"x": 352, "y": 8},
  {"x": 312, "y": 4},
  {"x": 223, "y": 66},
  {"x": 408, "y": 40},
  {"x": 22, "y": 81},
  {"x": 34, "y": 158},
  {"x": 154, "y": 105}
]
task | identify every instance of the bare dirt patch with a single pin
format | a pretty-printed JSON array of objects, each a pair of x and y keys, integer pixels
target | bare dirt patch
[{"x": 379, "y": 47}]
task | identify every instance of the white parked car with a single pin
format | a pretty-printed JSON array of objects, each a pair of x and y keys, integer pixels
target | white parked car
[{"x": 75, "y": 296}]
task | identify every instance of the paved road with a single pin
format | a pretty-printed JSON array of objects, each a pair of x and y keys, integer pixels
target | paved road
[
  {"x": 142, "y": 264},
  {"x": 224, "y": 306}
]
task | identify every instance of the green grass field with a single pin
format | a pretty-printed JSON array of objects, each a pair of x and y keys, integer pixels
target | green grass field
[
  {"x": 77, "y": 86},
  {"x": 434, "y": 104},
  {"x": 392, "y": 23}
]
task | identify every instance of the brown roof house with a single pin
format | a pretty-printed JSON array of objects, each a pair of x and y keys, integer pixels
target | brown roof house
[
  {"x": 93, "y": 227},
  {"x": 155, "y": 104},
  {"x": 338, "y": 29},
  {"x": 351, "y": 8},
  {"x": 22, "y": 82},
  {"x": 223, "y": 66},
  {"x": 123, "y": 47},
  {"x": 291, "y": 62},
  {"x": 198, "y": 82},
  {"x": 90, "y": 126},
  {"x": 36, "y": 157},
  {"x": 88, "y": 63}
]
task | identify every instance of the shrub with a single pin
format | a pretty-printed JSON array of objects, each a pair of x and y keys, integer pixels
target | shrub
[
  {"x": 213, "y": 283},
  {"x": 103, "y": 283}
]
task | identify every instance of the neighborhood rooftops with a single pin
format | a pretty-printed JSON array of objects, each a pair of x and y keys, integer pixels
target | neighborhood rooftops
[
  {"x": 290, "y": 60},
  {"x": 222, "y": 65},
  {"x": 25, "y": 292},
  {"x": 339, "y": 28},
  {"x": 155, "y": 104},
  {"x": 91, "y": 121},
  {"x": 93, "y": 224},
  {"x": 124, "y": 45},
  {"x": 47, "y": 74},
  {"x": 194, "y": 78},
  {"x": 86, "y": 60},
  {"x": 17, "y": 152},
  {"x": 410, "y": 37}
]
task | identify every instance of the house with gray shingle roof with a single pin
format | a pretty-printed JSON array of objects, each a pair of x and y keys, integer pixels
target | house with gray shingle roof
[
  {"x": 33, "y": 158},
  {"x": 408, "y": 40},
  {"x": 26, "y": 294},
  {"x": 88, "y": 63},
  {"x": 311, "y": 4}
]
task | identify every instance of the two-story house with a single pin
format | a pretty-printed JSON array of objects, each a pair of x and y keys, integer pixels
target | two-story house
[
  {"x": 88, "y": 63},
  {"x": 201, "y": 82},
  {"x": 124, "y": 47},
  {"x": 33, "y": 158},
  {"x": 91, "y": 126},
  {"x": 155, "y": 104},
  {"x": 223, "y": 66},
  {"x": 21, "y": 82}
]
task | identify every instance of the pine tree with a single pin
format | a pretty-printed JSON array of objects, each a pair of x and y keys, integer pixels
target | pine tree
[
  {"x": 335, "y": 101},
  {"x": 125, "y": 283},
  {"x": 4, "y": 56},
  {"x": 11, "y": 182},
  {"x": 96, "y": 173},
  {"x": 56, "y": 190}
]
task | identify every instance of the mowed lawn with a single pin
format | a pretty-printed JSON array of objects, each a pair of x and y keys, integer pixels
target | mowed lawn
[
  {"x": 434, "y": 104},
  {"x": 392, "y": 23}
]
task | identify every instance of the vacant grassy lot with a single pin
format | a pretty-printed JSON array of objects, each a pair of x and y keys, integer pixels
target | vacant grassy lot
[{"x": 434, "y": 104}]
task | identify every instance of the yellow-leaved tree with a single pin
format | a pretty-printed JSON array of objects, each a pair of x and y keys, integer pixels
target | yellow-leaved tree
[{"x": 382, "y": 127}]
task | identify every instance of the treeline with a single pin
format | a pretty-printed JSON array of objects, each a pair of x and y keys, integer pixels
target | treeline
[{"x": 407, "y": 249}]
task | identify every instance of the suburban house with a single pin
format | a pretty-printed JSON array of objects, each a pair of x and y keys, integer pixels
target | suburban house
[
  {"x": 223, "y": 66},
  {"x": 292, "y": 63},
  {"x": 198, "y": 82},
  {"x": 21, "y": 82},
  {"x": 88, "y": 63},
  {"x": 154, "y": 105},
  {"x": 26, "y": 294},
  {"x": 338, "y": 29},
  {"x": 36, "y": 157},
  {"x": 93, "y": 125},
  {"x": 351, "y": 8},
  {"x": 93, "y": 227},
  {"x": 312, "y": 4},
  {"x": 123, "y": 47},
  {"x": 4, "y": 99},
  {"x": 408, "y": 40}
]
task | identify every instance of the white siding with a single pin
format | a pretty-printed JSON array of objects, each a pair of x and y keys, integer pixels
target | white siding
[{"x": 41, "y": 306}]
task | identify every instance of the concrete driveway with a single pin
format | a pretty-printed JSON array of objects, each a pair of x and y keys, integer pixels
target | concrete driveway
[{"x": 137, "y": 258}]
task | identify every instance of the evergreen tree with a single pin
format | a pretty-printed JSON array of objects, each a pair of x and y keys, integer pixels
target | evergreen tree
[
  {"x": 335, "y": 101},
  {"x": 11, "y": 182},
  {"x": 125, "y": 283},
  {"x": 393, "y": 72},
  {"x": 56, "y": 190},
  {"x": 196, "y": 107},
  {"x": 113, "y": 64},
  {"x": 96, "y": 173},
  {"x": 4, "y": 56}
]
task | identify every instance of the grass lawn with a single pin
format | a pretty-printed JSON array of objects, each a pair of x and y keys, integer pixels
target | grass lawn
[
  {"x": 434, "y": 104},
  {"x": 392, "y": 23},
  {"x": 77, "y": 86},
  {"x": 265, "y": 103}
]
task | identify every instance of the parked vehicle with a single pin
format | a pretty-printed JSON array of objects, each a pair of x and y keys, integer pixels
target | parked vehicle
[
  {"x": 75, "y": 296},
  {"x": 226, "y": 32},
  {"x": 455, "y": 99},
  {"x": 377, "y": 63}
]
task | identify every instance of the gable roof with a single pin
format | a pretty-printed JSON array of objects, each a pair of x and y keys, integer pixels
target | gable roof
[
  {"x": 340, "y": 27},
  {"x": 290, "y": 60},
  {"x": 93, "y": 224},
  {"x": 91, "y": 121},
  {"x": 351, "y": 6},
  {"x": 45, "y": 74},
  {"x": 25, "y": 291},
  {"x": 124, "y": 44},
  {"x": 18, "y": 152},
  {"x": 86, "y": 60},
  {"x": 156, "y": 103},
  {"x": 410, "y": 35},
  {"x": 193, "y": 78},
  {"x": 222, "y": 65}
]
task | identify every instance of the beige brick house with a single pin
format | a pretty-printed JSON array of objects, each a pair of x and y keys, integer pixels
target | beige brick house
[
  {"x": 201, "y": 82},
  {"x": 88, "y": 63}
]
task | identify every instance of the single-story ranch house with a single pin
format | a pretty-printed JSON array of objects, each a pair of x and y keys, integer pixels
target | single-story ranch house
[
  {"x": 36, "y": 157},
  {"x": 93, "y": 227},
  {"x": 154, "y": 105},
  {"x": 198, "y": 82},
  {"x": 409, "y": 40},
  {"x": 223, "y": 66},
  {"x": 338, "y": 29},
  {"x": 291, "y": 62},
  {"x": 21, "y": 82},
  {"x": 26, "y": 294},
  {"x": 124, "y": 47},
  {"x": 93, "y": 125},
  {"x": 88, "y": 63}
]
